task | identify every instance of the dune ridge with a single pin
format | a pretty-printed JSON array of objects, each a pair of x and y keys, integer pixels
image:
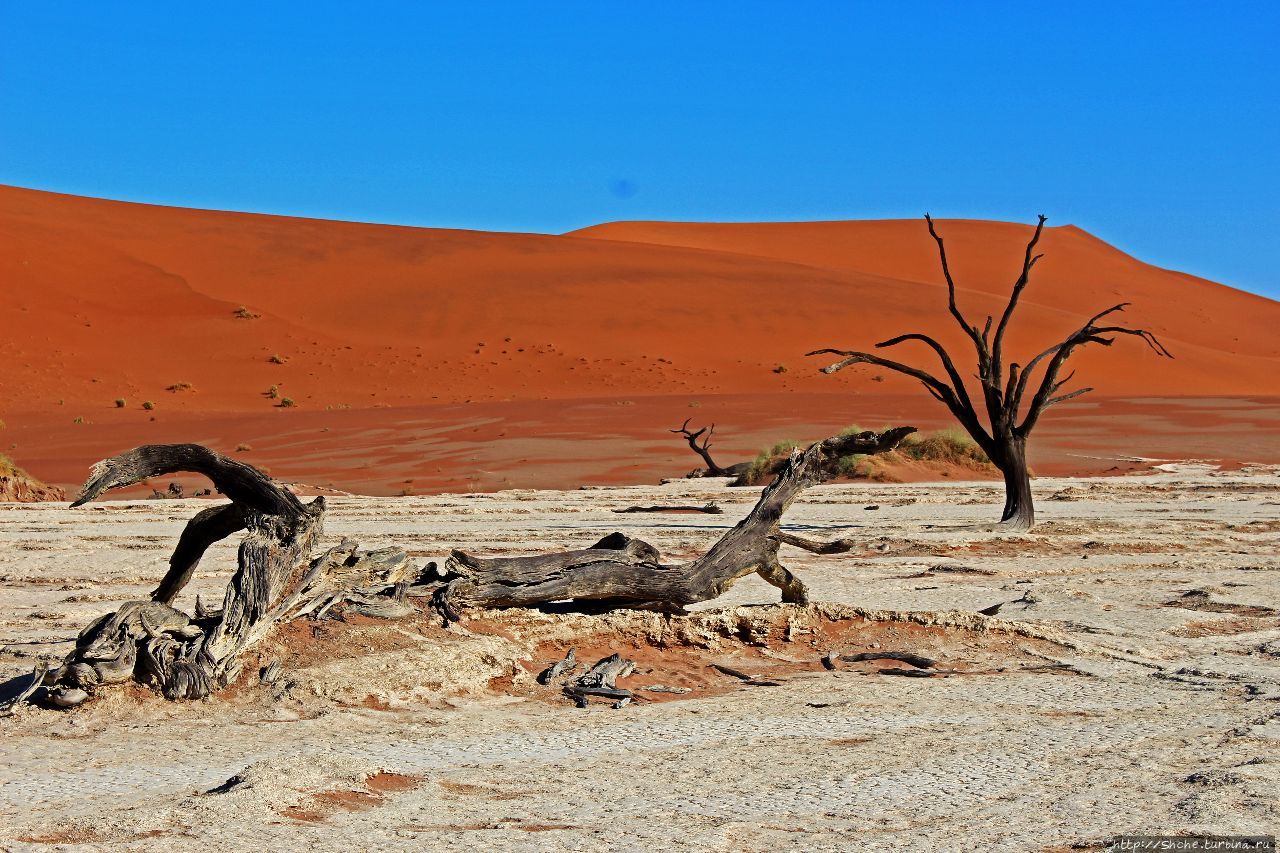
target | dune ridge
[{"x": 110, "y": 305}]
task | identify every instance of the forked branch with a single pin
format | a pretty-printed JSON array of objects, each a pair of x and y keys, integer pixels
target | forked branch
[
  {"x": 1046, "y": 395},
  {"x": 703, "y": 449}
]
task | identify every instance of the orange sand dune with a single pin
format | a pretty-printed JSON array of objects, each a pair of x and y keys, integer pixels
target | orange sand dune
[{"x": 110, "y": 300}]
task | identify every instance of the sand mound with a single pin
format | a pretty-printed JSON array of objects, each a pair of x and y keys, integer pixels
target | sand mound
[{"x": 19, "y": 486}]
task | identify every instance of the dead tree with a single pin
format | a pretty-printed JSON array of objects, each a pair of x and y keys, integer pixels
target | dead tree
[
  {"x": 1009, "y": 423},
  {"x": 619, "y": 571},
  {"x": 189, "y": 656},
  {"x": 703, "y": 449}
]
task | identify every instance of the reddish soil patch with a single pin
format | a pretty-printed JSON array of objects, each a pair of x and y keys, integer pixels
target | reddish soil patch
[
  {"x": 771, "y": 659},
  {"x": 386, "y": 782},
  {"x": 321, "y": 805}
]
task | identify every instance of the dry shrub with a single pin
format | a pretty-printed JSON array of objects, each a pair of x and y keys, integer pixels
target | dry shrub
[
  {"x": 950, "y": 447},
  {"x": 9, "y": 468},
  {"x": 767, "y": 462}
]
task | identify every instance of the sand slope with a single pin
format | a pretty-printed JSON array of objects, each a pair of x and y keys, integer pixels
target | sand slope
[{"x": 109, "y": 300}]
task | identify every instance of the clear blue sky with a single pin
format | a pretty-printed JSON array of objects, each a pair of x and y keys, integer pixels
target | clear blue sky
[{"x": 1154, "y": 125}]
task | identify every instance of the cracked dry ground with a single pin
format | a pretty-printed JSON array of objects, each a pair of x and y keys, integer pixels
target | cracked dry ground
[{"x": 1129, "y": 683}]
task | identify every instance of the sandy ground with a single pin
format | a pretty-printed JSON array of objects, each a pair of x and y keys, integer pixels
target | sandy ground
[
  {"x": 559, "y": 444},
  {"x": 1089, "y": 706}
]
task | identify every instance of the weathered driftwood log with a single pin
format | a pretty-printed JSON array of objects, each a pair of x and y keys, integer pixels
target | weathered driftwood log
[
  {"x": 709, "y": 508},
  {"x": 620, "y": 571},
  {"x": 189, "y": 657},
  {"x": 599, "y": 682}
]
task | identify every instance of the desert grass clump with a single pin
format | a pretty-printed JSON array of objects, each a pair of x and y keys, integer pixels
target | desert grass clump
[
  {"x": 277, "y": 358},
  {"x": 948, "y": 446},
  {"x": 180, "y": 386},
  {"x": 855, "y": 466},
  {"x": 287, "y": 403},
  {"x": 121, "y": 402},
  {"x": 273, "y": 392},
  {"x": 243, "y": 313},
  {"x": 241, "y": 448},
  {"x": 767, "y": 461},
  {"x": 148, "y": 405}
]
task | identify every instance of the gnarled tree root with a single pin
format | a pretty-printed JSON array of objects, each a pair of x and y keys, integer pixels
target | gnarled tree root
[{"x": 189, "y": 657}]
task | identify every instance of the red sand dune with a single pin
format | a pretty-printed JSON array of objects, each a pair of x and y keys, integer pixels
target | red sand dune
[{"x": 388, "y": 334}]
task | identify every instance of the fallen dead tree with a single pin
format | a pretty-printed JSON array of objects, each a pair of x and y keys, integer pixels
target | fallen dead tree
[
  {"x": 190, "y": 656},
  {"x": 620, "y": 571}
]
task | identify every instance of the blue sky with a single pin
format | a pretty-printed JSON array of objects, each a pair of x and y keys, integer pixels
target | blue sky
[{"x": 1153, "y": 125}]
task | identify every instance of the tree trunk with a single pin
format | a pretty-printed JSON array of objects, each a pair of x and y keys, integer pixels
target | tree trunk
[
  {"x": 1019, "y": 511},
  {"x": 623, "y": 572}
]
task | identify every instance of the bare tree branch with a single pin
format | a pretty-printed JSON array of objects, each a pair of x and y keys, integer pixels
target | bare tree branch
[
  {"x": 971, "y": 331},
  {"x": 1072, "y": 395},
  {"x": 1029, "y": 261},
  {"x": 947, "y": 364},
  {"x": 962, "y": 409},
  {"x": 1087, "y": 334}
]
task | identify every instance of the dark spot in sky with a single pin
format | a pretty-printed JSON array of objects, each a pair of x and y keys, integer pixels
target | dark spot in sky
[{"x": 623, "y": 188}]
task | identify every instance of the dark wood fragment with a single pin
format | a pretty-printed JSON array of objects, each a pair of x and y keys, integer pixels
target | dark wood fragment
[{"x": 918, "y": 661}]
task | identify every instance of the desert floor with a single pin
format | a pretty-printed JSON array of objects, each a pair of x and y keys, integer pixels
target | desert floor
[{"x": 1129, "y": 683}]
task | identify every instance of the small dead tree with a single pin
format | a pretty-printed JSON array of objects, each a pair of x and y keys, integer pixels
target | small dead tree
[
  {"x": 1009, "y": 423},
  {"x": 703, "y": 449}
]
